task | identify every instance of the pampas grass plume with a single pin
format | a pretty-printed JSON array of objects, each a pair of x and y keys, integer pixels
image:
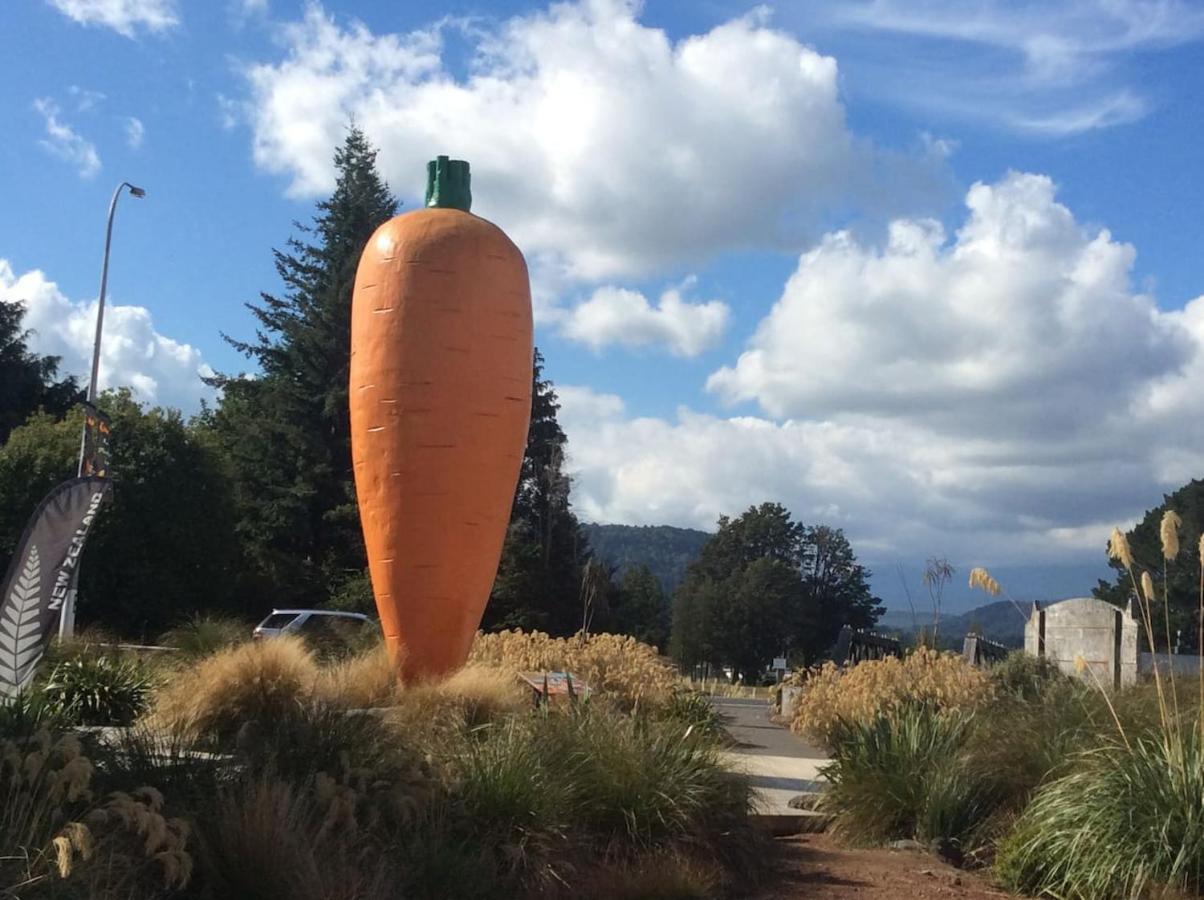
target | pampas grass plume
[
  {"x": 1118, "y": 548},
  {"x": 981, "y": 578},
  {"x": 1170, "y": 534},
  {"x": 1147, "y": 587}
]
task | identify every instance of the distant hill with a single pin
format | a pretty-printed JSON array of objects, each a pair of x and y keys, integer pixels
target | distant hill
[
  {"x": 999, "y": 621},
  {"x": 666, "y": 550}
]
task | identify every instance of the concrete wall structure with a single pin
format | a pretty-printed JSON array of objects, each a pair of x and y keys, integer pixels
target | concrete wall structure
[{"x": 1088, "y": 634}]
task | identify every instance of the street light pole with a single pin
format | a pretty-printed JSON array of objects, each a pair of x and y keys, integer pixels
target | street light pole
[
  {"x": 67, "y": 613},
  {"x": 104, "y": 283}
]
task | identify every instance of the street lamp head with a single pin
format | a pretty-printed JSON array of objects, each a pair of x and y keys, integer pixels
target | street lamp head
[{"x": 137, "y": 191}]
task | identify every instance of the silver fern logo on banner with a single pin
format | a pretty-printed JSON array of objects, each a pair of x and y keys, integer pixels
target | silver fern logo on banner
[{"x": 21, "y": 627}]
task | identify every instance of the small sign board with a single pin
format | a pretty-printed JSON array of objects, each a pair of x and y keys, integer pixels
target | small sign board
[
  {"x": 548, "y": 685},
  {"x": 779, "y": 663}
]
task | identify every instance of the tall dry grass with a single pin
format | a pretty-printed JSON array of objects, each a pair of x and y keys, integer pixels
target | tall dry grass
[
  {"x": 1126, "y": 816},
  {"x": 834, "y": 697},
  {"x": 251, "y": 682},
  {"x": 617, "y": 666}
]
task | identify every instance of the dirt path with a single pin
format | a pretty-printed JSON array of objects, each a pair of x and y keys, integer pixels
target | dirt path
[{"x": 815, "y": 867}]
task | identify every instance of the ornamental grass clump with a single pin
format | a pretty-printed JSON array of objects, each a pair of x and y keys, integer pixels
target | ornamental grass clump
[
  {"x": 253, "y": 682},
  {"x": 906, "y": 774},
  {"x": 615, "y": 666},
  {"x": 1125, "y": 819},
  {"x": 833, "y": 696}
]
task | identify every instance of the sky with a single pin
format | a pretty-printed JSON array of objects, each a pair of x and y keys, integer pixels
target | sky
[{"x": 925, "y": 271}]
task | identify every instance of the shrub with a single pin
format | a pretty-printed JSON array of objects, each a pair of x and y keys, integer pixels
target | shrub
[
  {"x": 273, "y": 839},
  {"x": 1024, "y": 676},
  {"x": 26, "y": 713},
  {"x": 51, "y": 831},
  {"x": 96, "y": 690},
  {"x": 905, "y": 775},
  {"x": 641, "y": 782},
  {"x": 862, "y": 693},
  {"x": 253, "y": 682},
  {"x": 204, "y": 634},
  {"x": 695, "y": 710},
  {"x": 1127, "y": 818},
  {"x": 614, "y": 666}
]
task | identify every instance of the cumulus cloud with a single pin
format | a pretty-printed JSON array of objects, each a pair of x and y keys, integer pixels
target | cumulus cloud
[
  {"x": 593, "y": 137},
  {"x": 618, "y": 316},
  {"x": 62, "y": 140},
  {"x": 1025, "y": 320},
  {"x": 134, "y": 132},
  {"x": 158, "y": 369},
  {"x": 1004, "y": 393},
  {"x": 125, "y": 17}
]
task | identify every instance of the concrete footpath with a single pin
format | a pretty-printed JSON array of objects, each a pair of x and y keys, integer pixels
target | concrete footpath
[{"x": 780, "y": 765}]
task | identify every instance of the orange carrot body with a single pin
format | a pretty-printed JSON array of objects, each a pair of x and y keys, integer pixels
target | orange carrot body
[{"x": 440, "y": 395}]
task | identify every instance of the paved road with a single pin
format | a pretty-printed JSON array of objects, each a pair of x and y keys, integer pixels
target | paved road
[{"x": 780, "y": 764}]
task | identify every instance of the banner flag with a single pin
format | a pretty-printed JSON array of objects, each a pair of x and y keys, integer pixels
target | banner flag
[
  {"x": 94, "y": 459},
  {"x": 41, "y": 574}
]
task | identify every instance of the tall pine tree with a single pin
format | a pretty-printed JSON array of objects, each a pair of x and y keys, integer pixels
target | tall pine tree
[
  {"x": 28, "y": 382},
  {"x": 540, "y": 579},
  {"x": 286, "y": 428}
]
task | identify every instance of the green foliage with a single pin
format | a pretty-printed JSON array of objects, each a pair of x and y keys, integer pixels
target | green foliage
[
  {"x": 204, "y": 633},
  {"x": 168, "y": 531},
  {"x": 539, "y": 580},
  {"x": 28, "y": 382},
  {"x": 286, "y": 431},
  {"x": 906, "y": 776},
  {"x": 1026, "y": 677},
  {"x": 695, "y": 710},
  {"x": 640, "y": 608},
  {"x": 611, "y": 781},
  {"x": 1180, "y": 578},
  {"x": 96, "y": 690},
  {"x": 1125, "y": 819},
  {"x": 763, "y": 584},
  {"x": 26, "y": 713}
]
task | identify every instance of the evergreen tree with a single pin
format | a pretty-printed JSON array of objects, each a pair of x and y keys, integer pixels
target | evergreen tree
[
  {"x": 640, "y": 608},
  {"x": 1178, "y": 580},
  {"x": 539, "y": 582},
  {"x": 286, "y": 429},
  {"x": 836, "y": 591},
  {"x": 28, "y": 382},
  {"x": 764, "y": 584}
]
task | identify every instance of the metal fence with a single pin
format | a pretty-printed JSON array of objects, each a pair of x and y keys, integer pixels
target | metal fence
[{"x": 854, "y": 646}]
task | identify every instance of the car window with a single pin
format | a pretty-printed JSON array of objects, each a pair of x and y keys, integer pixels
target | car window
[
  {"x": 331, "y": 635},
  {"x": 277, "y": 620}
]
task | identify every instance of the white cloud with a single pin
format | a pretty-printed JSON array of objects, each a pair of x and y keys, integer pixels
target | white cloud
[
  {"x": 123, "y": 16},
  {"x": 1003, "y": 395},
  {"x": 133, "y": 354},
  {"x": 134, "y": 132},
  {"x": 62, "y": 140},
  {"x": 614, "y": 315},
  {"x": 1024, "y": 320},
  {"x": 593, "y": 138},
  {"x": 1030, "y": 65},
  {"x": 85, "y": 99}
]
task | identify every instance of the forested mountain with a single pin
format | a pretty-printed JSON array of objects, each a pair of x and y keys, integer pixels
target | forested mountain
[{"x": 664, "y": 549}]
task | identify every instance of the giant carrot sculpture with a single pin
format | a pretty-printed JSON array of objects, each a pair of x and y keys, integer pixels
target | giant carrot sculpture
[{"x": 440, "y": 393}]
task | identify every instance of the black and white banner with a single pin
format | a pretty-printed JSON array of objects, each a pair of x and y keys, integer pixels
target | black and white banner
[{"x": 41, "y": 575}]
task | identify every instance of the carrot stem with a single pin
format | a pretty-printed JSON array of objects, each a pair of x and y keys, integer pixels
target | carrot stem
[{"x": 448, "y": 184}]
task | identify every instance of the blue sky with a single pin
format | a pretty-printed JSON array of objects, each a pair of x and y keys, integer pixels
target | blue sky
[{"x": 925, "y": 271}]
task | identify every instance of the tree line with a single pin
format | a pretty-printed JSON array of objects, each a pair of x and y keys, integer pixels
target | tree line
[{"x": 250, "y": 504}]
